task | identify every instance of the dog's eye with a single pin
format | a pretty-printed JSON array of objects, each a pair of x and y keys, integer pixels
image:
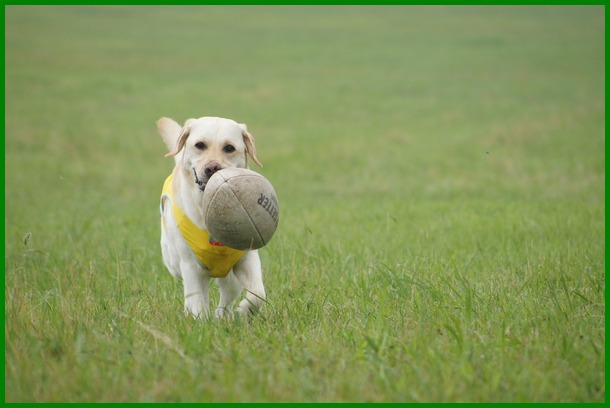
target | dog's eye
[
  {"x": 229, "y": 149},
  {"x": 200, "y": 145}
]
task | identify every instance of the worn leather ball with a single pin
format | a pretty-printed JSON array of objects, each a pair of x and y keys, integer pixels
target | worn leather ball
[{"x": 241, "y": 208}]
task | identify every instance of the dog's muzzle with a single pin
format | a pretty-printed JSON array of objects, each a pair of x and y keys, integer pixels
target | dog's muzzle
[
  {"x": 208, "y": 171},
  {"x": 199, "y": 182}
]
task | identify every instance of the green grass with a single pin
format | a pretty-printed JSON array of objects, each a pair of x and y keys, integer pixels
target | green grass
[{"x": 441, "y": 180}]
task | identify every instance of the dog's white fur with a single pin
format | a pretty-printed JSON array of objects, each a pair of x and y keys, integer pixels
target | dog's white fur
[{"x": 207, "y": 143}]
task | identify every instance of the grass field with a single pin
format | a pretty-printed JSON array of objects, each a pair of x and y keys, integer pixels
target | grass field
[{"x": 441, "y": 177}]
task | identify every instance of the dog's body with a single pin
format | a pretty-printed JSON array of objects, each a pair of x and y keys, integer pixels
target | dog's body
[{"x": 201, "y": 148}]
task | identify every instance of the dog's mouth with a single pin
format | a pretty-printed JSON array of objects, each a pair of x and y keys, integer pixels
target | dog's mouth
[{"x": 200, "y": 182}]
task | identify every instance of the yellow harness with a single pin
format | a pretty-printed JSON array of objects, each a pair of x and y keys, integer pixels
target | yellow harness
[{"x": 213, "y": 255}]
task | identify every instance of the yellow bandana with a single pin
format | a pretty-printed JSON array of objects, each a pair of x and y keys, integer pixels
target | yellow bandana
[{"x": 217, "y": 258}]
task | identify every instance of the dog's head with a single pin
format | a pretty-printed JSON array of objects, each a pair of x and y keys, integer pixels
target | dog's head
[{"x": 206, "y": 145}]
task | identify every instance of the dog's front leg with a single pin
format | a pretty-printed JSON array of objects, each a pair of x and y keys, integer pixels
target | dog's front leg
[
  {"x": 230, "y": 288},
  {"x": 196, "y": 288},
  {"x": 250, "y": 275}
]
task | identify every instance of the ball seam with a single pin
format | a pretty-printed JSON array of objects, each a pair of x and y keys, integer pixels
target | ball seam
[{"x": 251, "y": 220}]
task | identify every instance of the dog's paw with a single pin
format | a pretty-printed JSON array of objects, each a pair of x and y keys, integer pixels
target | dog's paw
[
  {"x": 194, "y": 315},
  {"x": 246, "y": 311},
  {"x": 222, "y": 313},
  {"x": 195, "y": 308}
]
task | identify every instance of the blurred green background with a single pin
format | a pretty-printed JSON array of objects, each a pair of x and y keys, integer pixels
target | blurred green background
[{"x": 432, "y": 164}]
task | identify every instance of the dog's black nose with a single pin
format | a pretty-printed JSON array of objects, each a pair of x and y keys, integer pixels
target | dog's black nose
[{"x": 211, "y": 168}]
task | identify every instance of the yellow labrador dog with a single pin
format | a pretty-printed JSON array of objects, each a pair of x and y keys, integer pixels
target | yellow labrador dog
[{"x": 200, "y": 148}]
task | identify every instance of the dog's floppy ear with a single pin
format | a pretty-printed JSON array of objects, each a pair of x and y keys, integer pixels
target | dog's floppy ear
[
  {"x": 249, "y": 141},
  {"x": 169, "y": 131},
  {"x": 186, "y": 130}
]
